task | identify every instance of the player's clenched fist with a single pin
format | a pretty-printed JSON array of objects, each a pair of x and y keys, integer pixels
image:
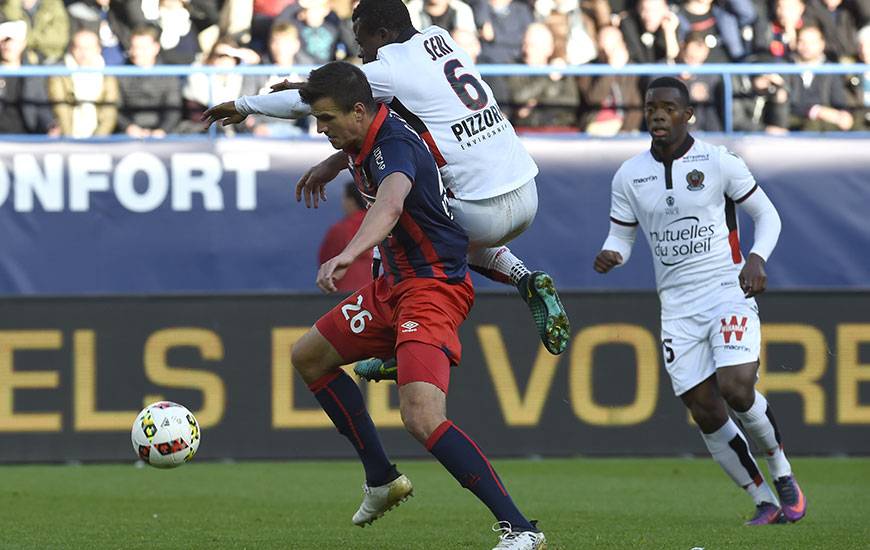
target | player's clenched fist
[
  {"x": 753, "y": 278},
  {"x": 607, "y": 260},
  {"x": 225, "y": 113}
]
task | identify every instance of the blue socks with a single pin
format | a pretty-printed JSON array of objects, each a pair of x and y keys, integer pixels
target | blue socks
[
  {"x": 467, "y": 463},
  {"x": 343, "y": 402}
]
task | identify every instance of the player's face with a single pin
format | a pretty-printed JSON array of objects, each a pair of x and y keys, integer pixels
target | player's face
[
  {"x": 343, "y": 129},
  {"x": 368, "y": 43},
  {"x": 667, "y": 117}
]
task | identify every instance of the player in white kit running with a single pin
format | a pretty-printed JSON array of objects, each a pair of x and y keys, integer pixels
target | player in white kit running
[
  {"x": 433, "y": 84},
  {"x": 682, "y": 193}
]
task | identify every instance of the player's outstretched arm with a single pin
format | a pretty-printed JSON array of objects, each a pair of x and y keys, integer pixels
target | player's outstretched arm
[
  {"x": 380, "y": 219},
  {"x": 225, "y": 113},
  {"x": 312, "y": 185}
]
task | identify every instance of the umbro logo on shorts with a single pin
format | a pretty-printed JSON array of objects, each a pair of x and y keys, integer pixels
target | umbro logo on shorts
[{"x": 409, "y": 326}]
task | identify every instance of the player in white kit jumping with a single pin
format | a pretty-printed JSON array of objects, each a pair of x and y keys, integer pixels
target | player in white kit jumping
[
  {"x": 682, "y": 193},
  {"x": 433, "y": 84}
]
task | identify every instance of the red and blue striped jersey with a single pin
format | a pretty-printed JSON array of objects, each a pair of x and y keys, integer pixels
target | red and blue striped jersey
[{"x": 425, "y": 242}]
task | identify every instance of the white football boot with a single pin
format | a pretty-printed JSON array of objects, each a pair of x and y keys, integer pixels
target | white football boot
[
  {"x": 380, "y": 500},
  {"x": 518, "y": 540}
]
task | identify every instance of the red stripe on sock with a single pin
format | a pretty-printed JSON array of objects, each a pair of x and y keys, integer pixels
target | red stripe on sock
[
  {"x": 323, "y": 381},
  {"x": 486, "y": 460},
  {"x": 436, "y": 435},
  {"x": 347, "y": 416}
]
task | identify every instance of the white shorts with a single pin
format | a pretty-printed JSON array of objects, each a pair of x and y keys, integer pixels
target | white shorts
[
  {"x": 497, "y": 220},
  {"x": 725, "y": 336}
]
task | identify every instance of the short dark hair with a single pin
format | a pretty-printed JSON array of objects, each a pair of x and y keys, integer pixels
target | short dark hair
[
  {"x": 342, "y": 82},
  {"x": 696, "y": 36},
  {"x": 388, "y": 14},
  {"x": 146, "y": 29},
  {"x": 671, "y": 82}
]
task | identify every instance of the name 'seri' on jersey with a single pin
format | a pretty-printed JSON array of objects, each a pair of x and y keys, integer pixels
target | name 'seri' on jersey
[
  {"x": 687, "y": 210},
  {"x": 425, "y": 242},
  {"x": 433, "y": 84}
]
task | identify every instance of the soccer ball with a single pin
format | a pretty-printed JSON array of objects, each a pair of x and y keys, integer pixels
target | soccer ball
[{"x": 165, "y": 435}]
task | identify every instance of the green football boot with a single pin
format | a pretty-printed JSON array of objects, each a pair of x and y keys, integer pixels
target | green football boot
[
  {"x": 539, "y": 291},
  {"x": 375, "y": 370}
]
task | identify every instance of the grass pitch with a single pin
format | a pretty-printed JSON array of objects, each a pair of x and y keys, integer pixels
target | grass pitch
[{"x": 582, "y": 503}]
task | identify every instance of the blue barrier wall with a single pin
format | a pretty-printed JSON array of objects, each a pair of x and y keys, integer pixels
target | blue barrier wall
[{"x": 219, "y": 215}]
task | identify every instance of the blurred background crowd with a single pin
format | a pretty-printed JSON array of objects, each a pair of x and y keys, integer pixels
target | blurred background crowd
[{"x": 287, "y": 33}]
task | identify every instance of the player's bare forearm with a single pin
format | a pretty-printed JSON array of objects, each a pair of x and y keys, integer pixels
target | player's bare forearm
[
  {"x": 382, "y": 216},
  {"x": 753, "y": 277},
  {"x": 312, "y": 185}
]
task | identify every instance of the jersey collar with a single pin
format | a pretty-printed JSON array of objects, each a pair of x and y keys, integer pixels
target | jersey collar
[
  {"x": 681, "y": 150},
  {"x": 369, "y": 141}
]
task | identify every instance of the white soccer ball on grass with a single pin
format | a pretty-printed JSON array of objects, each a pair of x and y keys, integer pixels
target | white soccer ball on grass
[{"x": 165, "y": 435}]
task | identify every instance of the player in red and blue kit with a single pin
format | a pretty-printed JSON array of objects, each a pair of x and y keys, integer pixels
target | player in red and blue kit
[{"x": 412, "y": 312}]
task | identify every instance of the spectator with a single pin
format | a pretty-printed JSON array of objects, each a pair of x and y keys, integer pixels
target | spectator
[
  {"x": 542, "y": 102},
  {"x": 817, "y": 101},
  {"x": 508, "y": 20},
  {"x": 704, "y": 89},
  {"x": 85, "y": 103},
  {"x": 468, "y": 41},
  {"x": 778, "y": 36},
  {"x": 573, "y": 33},
  {"x": 150, "y": 106},
  {"x": 360, "y": 271},
  {"x": 650, "y": 32},
  {"x": 283, "y": 46},
  {"x": 721, "y": 24},
  {"x": 265, "y": 12},
  {"x": 24, "y": 107},
  {"x": 235, "y": 18},
  {"x": 202, "y": 90},
  {"x": 448, "y": 14},
  {"x": 611, "y": 103},
  {"x": 860, "y": 84},
  {"x": 321, "y": 32},
  {"x": 760, "y": 101},
  {"x": 840, "y": 29},
  {"x": 178, "y": 37},
  {"x": 111, "y": 20},
  {"x": 48, "y": 25}
]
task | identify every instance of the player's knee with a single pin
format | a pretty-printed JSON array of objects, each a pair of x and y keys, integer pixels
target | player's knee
[
  {"x": 709, "y": 418},
  {"x": 738, "y": 391},
  {"x": 420, "y": 419},
  {"x": 303, "y": 357},
  {"x": 739, "y": 397}
]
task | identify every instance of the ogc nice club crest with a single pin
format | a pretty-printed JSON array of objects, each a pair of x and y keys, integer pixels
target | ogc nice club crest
[{"x": 696, "y": 180}]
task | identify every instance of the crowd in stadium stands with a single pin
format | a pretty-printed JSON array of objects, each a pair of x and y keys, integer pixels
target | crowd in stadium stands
[{"x": 226, "y": 33}]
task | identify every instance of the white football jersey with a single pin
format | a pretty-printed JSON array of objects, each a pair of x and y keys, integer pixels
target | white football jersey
[
  {"x": 687, "y": 211},
  {"x": 433, "y": 84}
]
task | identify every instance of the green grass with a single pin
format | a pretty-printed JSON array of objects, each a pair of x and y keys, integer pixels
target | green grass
[{"x": 583, "y": 503}]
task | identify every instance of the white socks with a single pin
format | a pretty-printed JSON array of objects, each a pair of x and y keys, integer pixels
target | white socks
[
  {"x": 730, "y": 450},
  {"x": 499, "y": 264},
  {"x": 759, "y": 424}
]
